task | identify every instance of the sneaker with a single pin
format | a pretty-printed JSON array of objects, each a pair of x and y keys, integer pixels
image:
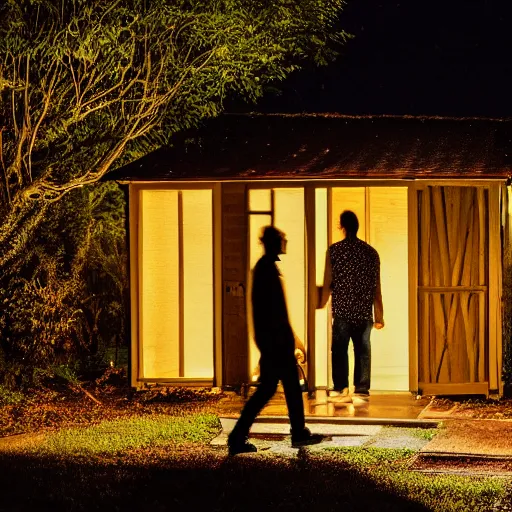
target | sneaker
[
  {"x": 244, "y": 446},
  {"x": 306, "y": 438},
  {"x": 339, "y": 397},
  {"x": 361, "y": 398}
]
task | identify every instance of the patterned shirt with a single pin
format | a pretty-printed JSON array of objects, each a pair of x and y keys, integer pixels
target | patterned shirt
[{"x": 355, "y": 283}]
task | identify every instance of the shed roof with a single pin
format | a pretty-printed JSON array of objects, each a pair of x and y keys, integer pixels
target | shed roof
[{"x": 326, "y": 146}]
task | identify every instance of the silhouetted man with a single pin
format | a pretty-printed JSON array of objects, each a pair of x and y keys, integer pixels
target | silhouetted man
[
  {"x": 276, "y": 342},
  {"x": 352, "y": 276}
]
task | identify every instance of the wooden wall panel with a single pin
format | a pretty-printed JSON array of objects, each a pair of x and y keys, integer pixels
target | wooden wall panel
[{"x": 234, "y": 257}]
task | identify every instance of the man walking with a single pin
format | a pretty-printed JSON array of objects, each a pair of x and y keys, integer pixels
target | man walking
[
  {"x": 276, "y": 342},
  {"x": 352, "y": 276}
]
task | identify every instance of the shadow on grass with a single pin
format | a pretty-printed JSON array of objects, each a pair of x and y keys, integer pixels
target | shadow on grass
[{"x": 190, "y": 481}]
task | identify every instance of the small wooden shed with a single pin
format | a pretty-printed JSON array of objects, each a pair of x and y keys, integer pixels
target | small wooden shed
[{"x": 432, "y": 196}]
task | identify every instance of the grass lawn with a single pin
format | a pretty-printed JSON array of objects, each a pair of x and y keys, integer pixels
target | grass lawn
[{"x": 163, "y": 461}]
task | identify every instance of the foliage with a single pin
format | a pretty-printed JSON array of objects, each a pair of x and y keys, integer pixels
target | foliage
[
  {"x": 9, "y": 397},
  {"x": 67, "y": 300},
  {"x": 86, "y": 84},
  {"x": 124, "y": 434},
  {"x": 507, "y": 329},
  {"x": 439, "y": 493}
]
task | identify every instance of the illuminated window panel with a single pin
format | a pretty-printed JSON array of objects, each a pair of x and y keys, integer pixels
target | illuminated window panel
[
  {"x": 289, "y": 217},
  {"x": 321, "y": 315},
  {"x": 260, "y": 200},
  {"x": 354, "y": 199},
  {"x": 159, "y": 284},
  {"x": 347, "y": 198},
  {"x": 198, "y": 283},
  {"x": 388, "y": 233},
  {"x": 256, "y": 251}
]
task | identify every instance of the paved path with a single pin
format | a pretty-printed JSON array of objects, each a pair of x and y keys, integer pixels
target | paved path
[
  {"x": 470, "y": 438},
  {"x": 275, "y": 436}
]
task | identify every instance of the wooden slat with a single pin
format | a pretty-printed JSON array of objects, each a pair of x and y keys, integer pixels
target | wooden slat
[
  {"x": 309, "y": 208},
  {"x": 494, "y": 287},
  {"x": 467, "y": 318},
  {"x": 450, "y": 289},
  {"x": 181, "y": 281},
  {"x": 462, "y": 388},
  {"x": 330, "y": 219},
  {"x": 135, "y": 299},
  {"x": 481, "y": 279},
  {"x": 180, "y": 382},
  {"x": 425, "y": 222},
  {"x": 439, "y": 259},
  {"x": 217, "y": 283}
]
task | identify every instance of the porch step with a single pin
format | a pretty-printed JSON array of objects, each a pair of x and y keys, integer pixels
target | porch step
[{"x": 392, "y": 422}]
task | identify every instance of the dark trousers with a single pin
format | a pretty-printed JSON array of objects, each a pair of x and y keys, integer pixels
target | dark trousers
[
  {"x": 273, "y": 370},
  {"x": 342, "y": 332}
]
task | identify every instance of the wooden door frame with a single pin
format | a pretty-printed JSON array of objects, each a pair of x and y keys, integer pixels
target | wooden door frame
[
  {"x": 136, "y": 377},
  {"x": 494, "y": 385}
]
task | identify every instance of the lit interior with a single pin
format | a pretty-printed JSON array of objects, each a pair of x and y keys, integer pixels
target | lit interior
[
  {"x": 260, "y": 200},
  {"x": 160, "y": 284},
  {"x": 347, "y": 198},
  {"x": 388, "y": 233},
  {"x": 321, "y": 315},
  {"x": 382, "y": 214},
  {"x": 289, "y": 217},
  {"x": 198, "y": 283},
  {"x": 159, "y": 317}
]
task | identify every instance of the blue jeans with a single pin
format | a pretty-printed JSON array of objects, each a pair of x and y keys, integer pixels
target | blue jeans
[{"x": 359, "y": 332}]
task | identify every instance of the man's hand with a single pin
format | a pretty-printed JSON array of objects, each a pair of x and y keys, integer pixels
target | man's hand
[
  {"x": 379, "y": 325},
  {"x": 300, "y": 350}
]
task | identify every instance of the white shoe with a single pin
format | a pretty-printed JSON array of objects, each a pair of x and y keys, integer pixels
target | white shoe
[
  {"x": 338, "y": 397},
  {"x": 359, "y": 398}
]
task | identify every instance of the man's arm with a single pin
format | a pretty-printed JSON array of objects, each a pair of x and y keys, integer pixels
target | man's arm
[
  {"x": 378, "y": 307},
  {"x": 323, "y": 292}
]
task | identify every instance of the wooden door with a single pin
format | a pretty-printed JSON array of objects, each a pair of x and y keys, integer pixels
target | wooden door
[{"x": 453, "y": 290}]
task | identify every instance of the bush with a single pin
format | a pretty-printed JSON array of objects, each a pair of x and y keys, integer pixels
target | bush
[{"x": 66, "y": 301}]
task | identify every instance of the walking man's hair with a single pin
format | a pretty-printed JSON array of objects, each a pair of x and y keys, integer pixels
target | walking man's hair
[
  {"x": 271, "y": 235},
  {"x": 348, "y": 220}
]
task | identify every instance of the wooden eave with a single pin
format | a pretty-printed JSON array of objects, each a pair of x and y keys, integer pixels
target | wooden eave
[{"x": 331, "y": 146}]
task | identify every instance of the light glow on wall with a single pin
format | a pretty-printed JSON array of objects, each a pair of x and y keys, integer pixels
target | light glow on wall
[
  {"x": 382, "y": 214},
  {"x": 198, "y": 283},
  {"x": 170, "y": 321},
  {"x": 289, "y": 217},
  {"x": 159, "y": 316},
  {"x": 321, "y": 315}
]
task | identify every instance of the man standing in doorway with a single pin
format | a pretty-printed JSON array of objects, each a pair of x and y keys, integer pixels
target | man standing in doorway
[
  {"x": 276, "y": 342},
  {"x": 352, "y": 276}
]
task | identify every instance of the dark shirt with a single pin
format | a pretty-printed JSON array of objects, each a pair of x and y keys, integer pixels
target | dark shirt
[
  {"x": 272, "y": 331},
  {"x": 355, "y": 276}
]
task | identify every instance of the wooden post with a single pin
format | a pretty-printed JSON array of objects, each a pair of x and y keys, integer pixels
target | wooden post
[
  {"x": 135, "y": 299},
  {"x": 311, "y": 290},
  {"x": 482, "y": 279},
  {"x": 217, "y": 283},
  {"x": 412, "y": 199},
  {"x": 494, "y": 288}
]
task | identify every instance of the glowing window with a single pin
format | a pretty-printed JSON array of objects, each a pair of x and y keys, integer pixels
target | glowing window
[{"x": 176, "y": 283}]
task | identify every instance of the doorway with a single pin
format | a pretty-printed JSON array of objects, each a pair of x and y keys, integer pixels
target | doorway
[
  {"x": 383, "y": 219},
  {"x": 383, "y": 223}
]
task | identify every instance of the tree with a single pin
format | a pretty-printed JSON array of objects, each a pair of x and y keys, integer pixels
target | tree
[{"x": 86, "y": 85}]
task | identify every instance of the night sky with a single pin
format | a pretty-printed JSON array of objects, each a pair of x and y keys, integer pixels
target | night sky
[{"x": 418, "y": 57}]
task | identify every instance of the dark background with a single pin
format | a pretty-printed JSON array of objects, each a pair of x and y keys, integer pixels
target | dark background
[{"x": 417, "y": 57}]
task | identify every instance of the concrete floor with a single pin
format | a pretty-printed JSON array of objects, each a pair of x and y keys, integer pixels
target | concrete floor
[{"x": 381, "y": 405}]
